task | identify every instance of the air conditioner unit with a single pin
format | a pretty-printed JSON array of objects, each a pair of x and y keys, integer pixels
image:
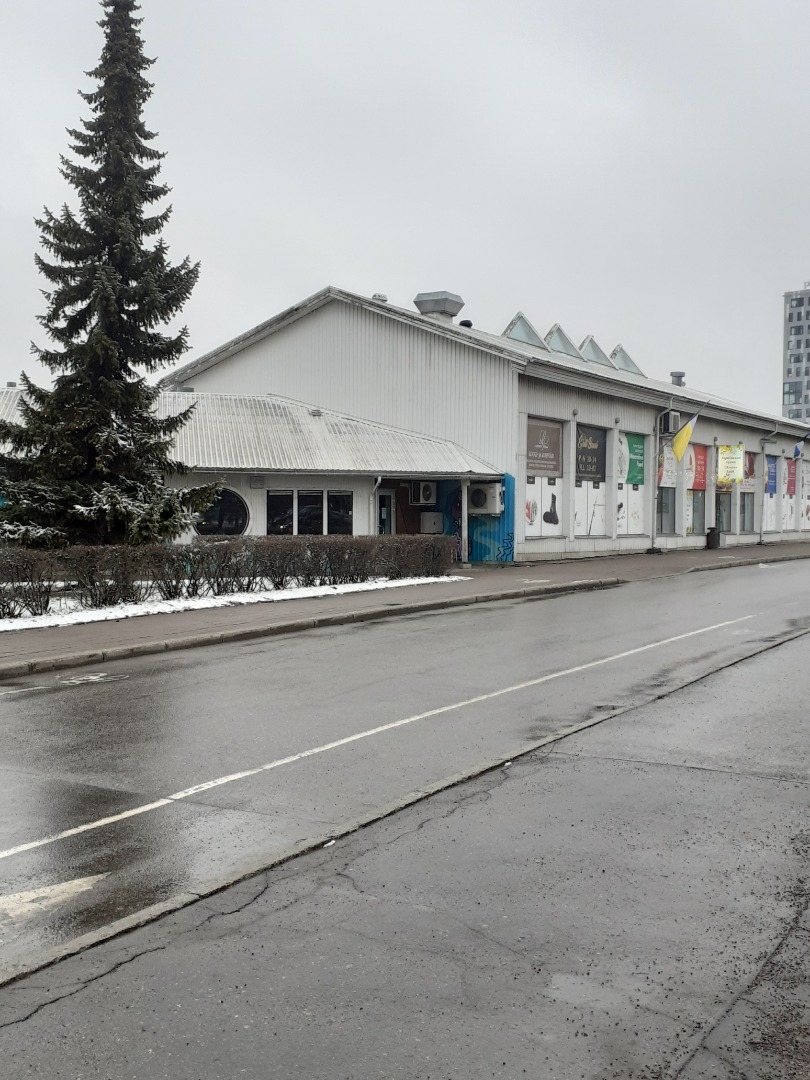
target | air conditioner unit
[
  {"x": 423, "y": 493},
  {"x": 485, "y": 499},
  {"x": 670, "y": 422}
]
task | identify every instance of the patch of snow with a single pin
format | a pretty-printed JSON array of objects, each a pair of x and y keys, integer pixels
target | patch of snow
[{"x": 70, "y": 613}]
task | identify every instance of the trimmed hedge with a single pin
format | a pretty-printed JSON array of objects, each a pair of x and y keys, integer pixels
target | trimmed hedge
[{"x": 105, "y": 576}]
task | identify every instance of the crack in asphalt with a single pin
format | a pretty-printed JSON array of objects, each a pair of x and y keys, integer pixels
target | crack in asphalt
[
  {"x": 83, "y": 986},
  {"x": 679, "y": 765}
]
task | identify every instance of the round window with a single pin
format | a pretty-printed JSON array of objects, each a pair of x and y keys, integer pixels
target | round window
[{"x": 226, "y": 516}]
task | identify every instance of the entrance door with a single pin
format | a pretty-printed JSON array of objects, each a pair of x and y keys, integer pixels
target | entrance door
[{"x": 386, "y": 512}]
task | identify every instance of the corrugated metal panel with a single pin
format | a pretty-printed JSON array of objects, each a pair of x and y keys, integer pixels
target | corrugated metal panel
[
  {"x": 383, "y": 369},
  {"x": 272, "y": 434},
  {"x": 557, "y": 401},
  {"x": 8, "y": 404}
]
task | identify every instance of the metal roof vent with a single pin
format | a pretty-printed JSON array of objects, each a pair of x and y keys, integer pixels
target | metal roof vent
[
  {"x": 678, "y": 378},
  {"x": 439, "y": 305},
  {"x": 11, "y": 386},
  {"x": 383, "y": 299},
  {"x": 185, "y": 389}
]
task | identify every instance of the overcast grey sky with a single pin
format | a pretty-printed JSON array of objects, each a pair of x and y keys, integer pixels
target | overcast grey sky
[{"x": 634, "y": 169}]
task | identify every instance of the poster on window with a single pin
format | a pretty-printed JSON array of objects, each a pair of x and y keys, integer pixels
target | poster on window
[
  {"x": 695, "y": 467},
  {"x": 543, "y": 448},
  {"x": 591, "y": 453},
  {"x": 730, "y": 466},
  {"x": 667, "y": 467},
  {"x": 749, "y": 482},
  {"x": 805, "y": 487},
  {"x": 590, "y": 510}
]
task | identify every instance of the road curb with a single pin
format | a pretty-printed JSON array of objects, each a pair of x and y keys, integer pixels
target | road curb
[
  {"x": 296, "y": 626},
  {"x": 733, "y": 562}
]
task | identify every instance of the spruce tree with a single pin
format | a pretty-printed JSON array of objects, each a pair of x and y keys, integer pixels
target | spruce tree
[{"x": 88, "y": 462}]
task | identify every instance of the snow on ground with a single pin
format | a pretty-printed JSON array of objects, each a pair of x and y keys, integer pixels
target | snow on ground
[{"x": 68, "y": 612}]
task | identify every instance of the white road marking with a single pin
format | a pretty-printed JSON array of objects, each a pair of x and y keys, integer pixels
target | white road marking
[
  {"x": 91, "y": 677},
  {"x": 24, "y": 904},
  {"x": 440, "y": 711},
  {"x": 24, "y": 690}
]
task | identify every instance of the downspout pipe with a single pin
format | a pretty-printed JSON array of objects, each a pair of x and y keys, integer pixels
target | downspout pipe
[{"x": 652, "y": 549}]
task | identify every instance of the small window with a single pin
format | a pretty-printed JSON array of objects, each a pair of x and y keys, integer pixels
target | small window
[
  {"x": 339, "y": 511},
  {"x": 698, "y": 510},
  {"x": 665, "y": 512},
  {"x": 279, "y": 513},
  {"x": 790, "y": 317},
  {"x": 795, "y": 358},
  {"x": 227, "y": 516},
  {"x": 796, "y": 331},
  {"x": 794, "y": 414},
  {"x": 310, "y": 513},
  {"x": 797, "y": 301}
]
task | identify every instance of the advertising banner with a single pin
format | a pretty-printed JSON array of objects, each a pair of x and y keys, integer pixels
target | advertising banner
[
  {"x": 543, "y": 448},
  {"x": 749, "y": 472},
  {"x": 730, "y": 465},
  {"x": 770, "y": 475},
  {"x": 667, "y": 467},
  {"x": 790, "y": 488},
  {"x": 591, "y": 452},
  {"x": 631, "y": 458},
  {"x": 695, "y": 460}
]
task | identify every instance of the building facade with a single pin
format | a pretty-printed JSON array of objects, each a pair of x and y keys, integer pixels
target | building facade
[
  {"x": 796, "y": 355},
  {"x": 575, "y": 441}
]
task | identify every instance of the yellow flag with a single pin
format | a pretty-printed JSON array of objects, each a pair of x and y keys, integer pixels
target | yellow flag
[{"x": 682, "y": 437}]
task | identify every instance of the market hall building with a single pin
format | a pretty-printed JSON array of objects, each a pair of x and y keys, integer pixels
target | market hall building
[{"x": 562, "y": 450}]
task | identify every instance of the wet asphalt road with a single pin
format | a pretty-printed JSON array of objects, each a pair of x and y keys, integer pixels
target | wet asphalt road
[
  {"x": 630, "y": 902},
  {"x": 73, "y": 754}
]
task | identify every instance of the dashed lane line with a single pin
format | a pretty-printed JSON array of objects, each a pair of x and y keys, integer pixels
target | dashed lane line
[{"x": 186, "y": 793}]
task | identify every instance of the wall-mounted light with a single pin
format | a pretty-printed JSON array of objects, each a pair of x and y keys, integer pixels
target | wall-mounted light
[
  {"x": 617, "y": 420},
  {"x": 575, "y": 412}
]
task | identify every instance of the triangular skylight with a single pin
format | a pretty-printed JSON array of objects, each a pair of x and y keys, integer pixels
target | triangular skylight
[
  {"x": 559, "y": 341},
  {"x": 520, "y": 329},
  {"x": 623, "y": 361},
  {"x": 591, "y": 351}
]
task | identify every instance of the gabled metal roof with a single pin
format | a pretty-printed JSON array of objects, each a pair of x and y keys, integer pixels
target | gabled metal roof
[{"x": 236, "y": 432}]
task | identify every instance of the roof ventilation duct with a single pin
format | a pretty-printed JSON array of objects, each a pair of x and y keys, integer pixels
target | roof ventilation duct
[
  {"x": 678, "y": 378},
  {"x": 443, "y": 306}
]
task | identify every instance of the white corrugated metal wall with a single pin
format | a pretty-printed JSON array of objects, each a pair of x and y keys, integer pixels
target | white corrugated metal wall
[{"x": 352, "y": 360}]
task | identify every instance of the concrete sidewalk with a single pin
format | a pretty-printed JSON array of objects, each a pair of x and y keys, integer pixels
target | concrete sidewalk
[{"x": 23, "y": 652}]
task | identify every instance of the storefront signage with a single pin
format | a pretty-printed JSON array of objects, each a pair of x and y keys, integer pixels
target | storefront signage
[
  {"x": 591, "y": 446},
  {"x": 543, "y": 448},
  {"x": 791, "y": 477},
  {"x": 749, "y": 472},
  {"x": 667, "y": 467},
  {"x": 631, "y": 458},
  {"x": 695, "y": 459},
  {"x": 730, "y": 465},
  {"x": 770, "y": 475}
]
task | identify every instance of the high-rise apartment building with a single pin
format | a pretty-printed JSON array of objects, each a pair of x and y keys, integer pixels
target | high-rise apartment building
[{"x": 796, "y": 355}]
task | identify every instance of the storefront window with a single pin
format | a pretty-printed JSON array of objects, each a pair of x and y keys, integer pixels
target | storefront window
[
  {"x": 227, "y": 516},
  {"x": 698, "y": 503},
  {"x": 339, "y": 510},
  {"x": 747, "y": 511},
  {"x": 279, "y": 513},
  {"x": 665, "y": 512},
  {"x": 723, "y": 505},
  {"x": 310, "y": 513}
]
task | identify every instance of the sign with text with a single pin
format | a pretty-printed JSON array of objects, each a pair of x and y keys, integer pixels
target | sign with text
[
  {"x": 749, "y": 481},
  {"x": 730, "y": 465},
  {"x": 695, "y": 462},
  {"x": 770, "y": 475},
  {"x": 790, "y": 488},
  {"x": 631, "y": 458},
  {"x": 543, "y": 448},
  {"x": 667, "y": 467},
  {"x": 591, "y": 447}
]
